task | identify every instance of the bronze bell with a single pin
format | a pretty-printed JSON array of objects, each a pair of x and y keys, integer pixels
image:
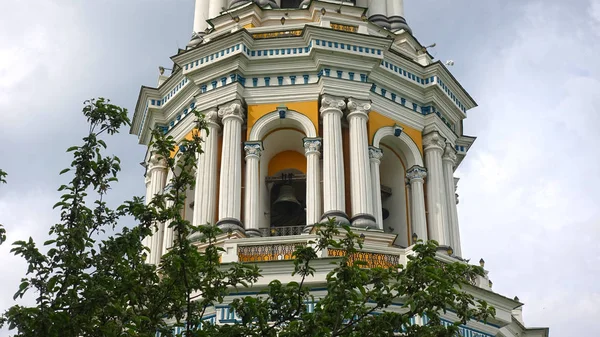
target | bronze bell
[{"x": 286, "y": 203}]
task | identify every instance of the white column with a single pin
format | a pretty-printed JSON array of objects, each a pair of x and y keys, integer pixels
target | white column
[
  {"x": 312, "y": 148},
  {"x": 416, "y": 177},
  {"x": 252, "y": 191},
  {"x": 157, "y": 173},
  {"x": 169, "y": 233},
  {"x": 449, "y": 159},
  {"x": 200, "y": 15},
  {"x": 375, "y": 155},
  {"x": 205, "y": 195},
  {"x": 436, "y": 193},
  {"x": 147, "y": 240},
  {"x": 377, "y": 13},
  {"x": 334, "y": 203},
  {"x": 215, "y": 7},
  {"x": 360, "y": 171},
  {"x": 395, "y": 15},
  {"x": 230, "y": 190}
]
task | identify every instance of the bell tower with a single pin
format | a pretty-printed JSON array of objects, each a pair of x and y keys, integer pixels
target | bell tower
[{"x": 315, "y": 112}]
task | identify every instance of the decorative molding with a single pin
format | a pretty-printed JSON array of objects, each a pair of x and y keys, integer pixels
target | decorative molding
[
  {"x": 416, "y": 173},
  {"x": 312, "y": 145},
  {"x": 433, "y": 140},
  {"x": 375, "y": 153},
  {"x": 272, "y": 120},
  {"x": 358, "y": 108},
  {"x": 253, "y": 149},
  {"x": 232, "y": 110},
  {"x": 450, "y": 154},
  {"x": 413, "y": 154},
  {"x": 156, "y": 162},
  {"x": 332, "y": 104},
  {"x": 212, "y": 117}
]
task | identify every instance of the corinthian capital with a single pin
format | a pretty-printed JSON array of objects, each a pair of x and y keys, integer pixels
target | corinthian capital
[
  {"x": 416, "y": 173},
  {"x": 212, "y": 117},
  {"x": 450, "y": 153},
  {"x": 375, "y": 153},
  {"x": 332, "y": 104},
  {"x": 156, "y": 162},
  {"x": 232, "y": 109},
  {"x": 433, "y": 140},
  {"x": 312, "y": 145},
  {"x": 358, "y": 108},
  {"x": 253, "y": 149}
]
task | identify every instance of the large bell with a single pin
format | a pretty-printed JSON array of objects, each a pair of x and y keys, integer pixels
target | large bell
[{"x": 286, "y": 203}]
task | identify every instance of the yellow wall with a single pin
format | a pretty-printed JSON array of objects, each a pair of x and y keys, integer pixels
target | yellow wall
[
  {"x": 309, "y": 109},
  {"x": 189, "y": 136},
  {"x": 287, "y": 160},
  {"x": 377, "y": 121}
]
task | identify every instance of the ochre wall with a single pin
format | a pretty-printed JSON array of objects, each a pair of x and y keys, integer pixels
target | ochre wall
[
  {"x": 287, "y": 160},
  {"x": 377, "y": 121},
  {"x": 309, "y": 109}
]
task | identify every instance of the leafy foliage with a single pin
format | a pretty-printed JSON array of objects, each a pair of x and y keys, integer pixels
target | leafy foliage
[
  {"x": 2, "y": 230},
  {"x": 87, "y": 286}
]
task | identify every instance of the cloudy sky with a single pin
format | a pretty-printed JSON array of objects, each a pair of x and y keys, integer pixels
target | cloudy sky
[{"x": 529, "y": 188}]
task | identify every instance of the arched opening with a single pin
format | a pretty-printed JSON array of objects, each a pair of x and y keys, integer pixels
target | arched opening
[
  {"x": 283, "y": 188},
  {"x": 393, "y": 193},
  {"x": 399, "y": 153},
  {"x": 282, "y": 168}
]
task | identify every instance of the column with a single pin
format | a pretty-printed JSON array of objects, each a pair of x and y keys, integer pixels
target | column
[
  {"x": 201, "y": 15},
  {"x": 312, "y": 149},
  {"x": 375, "y": 155},
  {"x": 230, "y": 187},
  {"x": 252, "y": 191},
  {"x": 215, "y": 7},
  {"x": 205, "y": 195},
  {"x": 449, "y": 159},
  {"x": 334, "y": 202},
  {"x": 416, "y": 177},
  {"x": 436, "y": 193},
  {"x": 156, "y": 174},
  {"x": 395, "y": 15},
  {"x": 377, "y": 13},
  {"x": 360, "y": 171},
  {"x": 169, "y": 232}
]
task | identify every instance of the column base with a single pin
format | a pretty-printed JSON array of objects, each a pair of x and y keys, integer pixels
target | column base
[
  {"x": 397, "y": 23},
  {"x": 380, "y": 20},
  {"x": 230, "y": 224},
  {"x": 364, "y": 221},
  {"x": 253, "y": 233},
  {"x": 338, "y": 216}
]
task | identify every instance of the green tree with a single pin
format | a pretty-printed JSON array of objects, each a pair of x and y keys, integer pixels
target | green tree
[
  {"x": 2, "y": 230},
  {"x": 88, "y": 286}
]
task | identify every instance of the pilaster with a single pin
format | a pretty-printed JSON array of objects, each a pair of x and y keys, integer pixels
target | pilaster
[
  {"x": 312, "y": 148},
  {"x": 449, "y": 160},
  {"x": 416, "y": 177},
  {"x": 375, "y": 155},
  {"x": 252, "y": 217}
]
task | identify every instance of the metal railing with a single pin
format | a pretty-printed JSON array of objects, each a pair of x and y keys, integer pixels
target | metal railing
[{"x": 282, "y": 231}]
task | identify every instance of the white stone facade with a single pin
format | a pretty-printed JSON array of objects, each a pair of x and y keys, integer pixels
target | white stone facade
[{"x": 357, "y": 121}]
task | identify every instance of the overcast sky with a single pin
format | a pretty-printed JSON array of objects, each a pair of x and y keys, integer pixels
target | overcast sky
[{"x": 529, "y": 188}]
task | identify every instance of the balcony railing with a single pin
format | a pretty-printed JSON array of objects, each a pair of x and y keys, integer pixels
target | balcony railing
[{"x": 282, "y": 231}]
